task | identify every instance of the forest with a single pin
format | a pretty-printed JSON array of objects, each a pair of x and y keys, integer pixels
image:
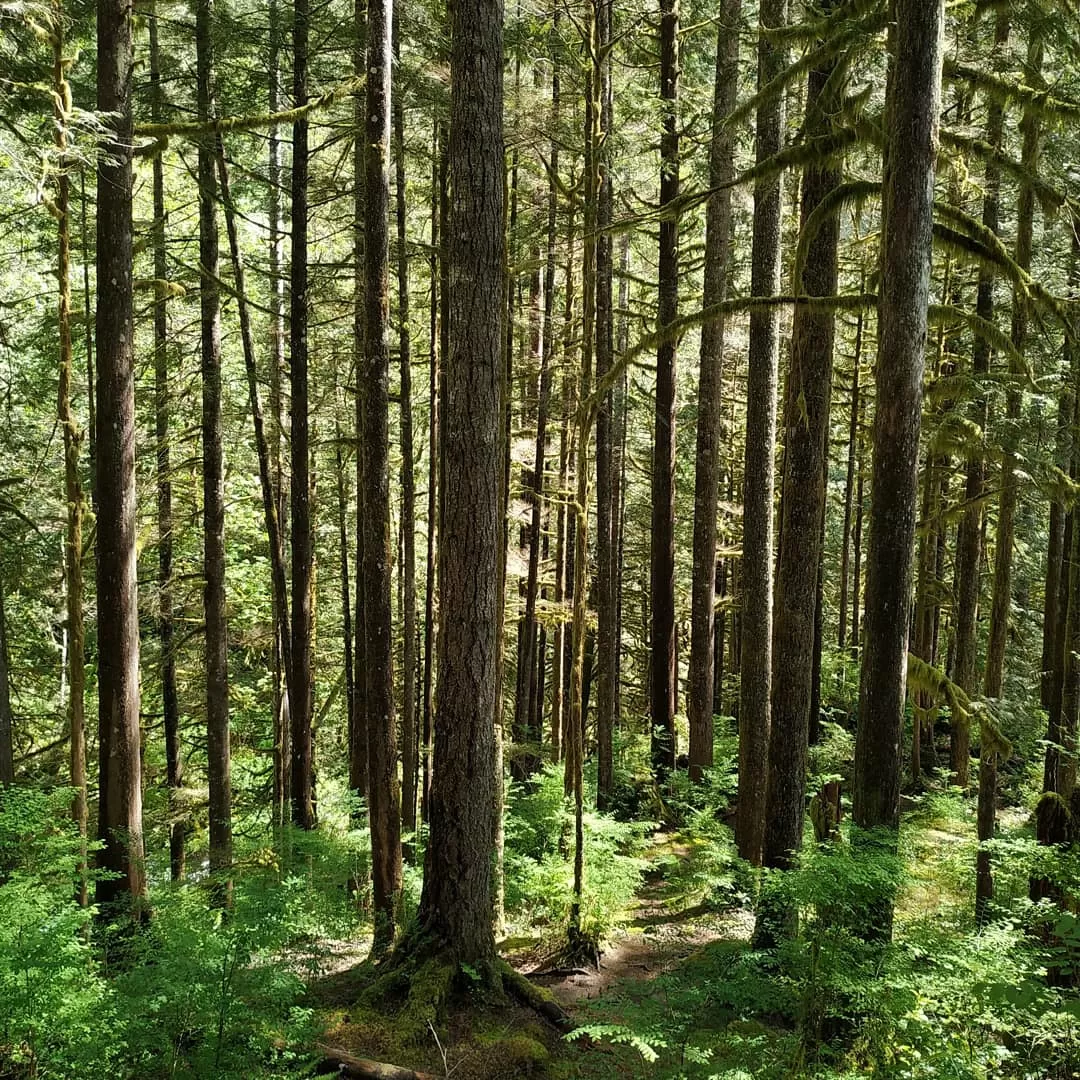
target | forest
[{"x": 539, "y": 539}]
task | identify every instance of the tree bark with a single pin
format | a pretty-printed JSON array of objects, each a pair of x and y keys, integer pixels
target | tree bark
[
  {"x": 663, "y": 670},
  {"x": 907, "y": 216},
  {"x": 434, "y": 423},
  {"x": 282, "y": 659},
  {"x": 607, "y": 645},
  {"x": 73, "y": 496},
  {"x": 806, "y": 456},
  {"x": 456, "y": 903},
  {"x": 217, "y": 645},
  {"x": 409, "y": 750},
  {"x": 700, "y": 703},
  {"x": 757, "y": 562},
  {"x": 384, "y": 806},
  {"x": 120, "y": 765},
  {"x": 1003, "y": 544}
]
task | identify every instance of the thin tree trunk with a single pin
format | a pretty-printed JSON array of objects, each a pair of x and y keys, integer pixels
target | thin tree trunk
[
  {"x": 575, "y": 730},
  {"x": 282, "y": 652},
  {"x": 73, "y": 496},
  {"x": 757, "y": 561},
  {"x": 430, "y": 611},
  {"x": 700, "y": 703},
  {"x": 7, "y": 724},
  {"x": 1003, "y": 545},
  {"x": 409, "y": 755},
  {"x": 163, "y": 479},
  {"x": 120, "y": 765},
  {"x": 606, "y": 542},
  {"x": 302, "y": 684},
  {"x": 663, "y": 667},
  {"x": 357, "y": 735},
  {"x": 849, "y": 485},
  {"x": 348, "y": 630},
  {"x": 907, "y": 213},
  {"x": 384, "y": 805},
  {"x": 217, "y": 644}
]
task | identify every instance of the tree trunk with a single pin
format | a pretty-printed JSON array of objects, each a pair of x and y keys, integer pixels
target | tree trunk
[
  {"x": 757, "y": 561},
  {"x": 120, "y": 764},
  {"x": 607, "y": 646},
  {"x": 7, "y": 748},
  {"x": 302, "y": 685},
  {"x": 73, "y": 496},
  {"x": 849, "y": 484},
  {"x": 282, "y": 652},
  {"x": 1003, "y": 545},
  {"x": 384, "y": 806},
  {"x": 357, "y": 735},
  {"x": 434, "y": 423},
  {"x": 409, "y": 751},
  {"x": 456, "y": 903},
  {"x": 700, "y": 703},
  {"x": 170, "y": 703},
  {"x": 663, "y": 670},
  {"x": 217, "y": 645},
  {"x": 806, "y": 456},
  {"x": 969, "y": 540},
  {"x": 907, "y": 216}
]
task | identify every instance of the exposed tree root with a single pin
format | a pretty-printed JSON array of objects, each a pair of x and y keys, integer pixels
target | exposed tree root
[{"x": 536, "y": 998}]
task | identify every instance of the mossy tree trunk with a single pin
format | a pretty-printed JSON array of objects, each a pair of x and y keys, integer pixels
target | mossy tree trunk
[
  {"x": 700, "y": 696},
  {"x": 758, "y": 483},
  {"x": 120, "y": 763},
  {"x": 914, "y": 98}
]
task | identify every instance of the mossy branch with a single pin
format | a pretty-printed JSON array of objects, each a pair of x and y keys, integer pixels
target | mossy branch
[
  {"x": 1038, "y": 102},
  {"x": 248, "y": 121}
]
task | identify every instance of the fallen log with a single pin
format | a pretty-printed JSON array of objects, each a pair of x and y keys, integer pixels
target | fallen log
[
  {"x": 556, "y": 973},
  {"x": 346, "y": 1064}
]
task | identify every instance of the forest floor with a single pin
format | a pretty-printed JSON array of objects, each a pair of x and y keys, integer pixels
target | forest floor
[{"x": 643, "y": 995}]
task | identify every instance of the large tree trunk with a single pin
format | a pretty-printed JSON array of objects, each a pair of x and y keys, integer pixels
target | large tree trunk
[
  {"x": 376, "y": 580},
  {"x": 907, "y": 220},
  {"x": 170, "y": 703},
  {"x": 700, "y": 703},
  {"x": 757, "y": 562},
  {"x": 663, "y": 667},
  {"x": 73, "y": 496},
  {"x": 806, "y": 455},
  {"x": 217, "y": 646},
  {"x": 456, "y": 903},
  {"x": 120, "y": 764}
]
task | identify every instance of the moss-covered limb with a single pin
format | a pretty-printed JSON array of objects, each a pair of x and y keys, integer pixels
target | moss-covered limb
[
  {"x": 535, "y": 997},
  {"x": 248, "y": 121},
  {"x": 346, "y": 1064},
  {"x": 1039, "y": 101}
]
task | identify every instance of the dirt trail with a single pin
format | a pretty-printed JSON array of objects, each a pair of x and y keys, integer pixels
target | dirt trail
[{"x": 658, "y": 937}]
